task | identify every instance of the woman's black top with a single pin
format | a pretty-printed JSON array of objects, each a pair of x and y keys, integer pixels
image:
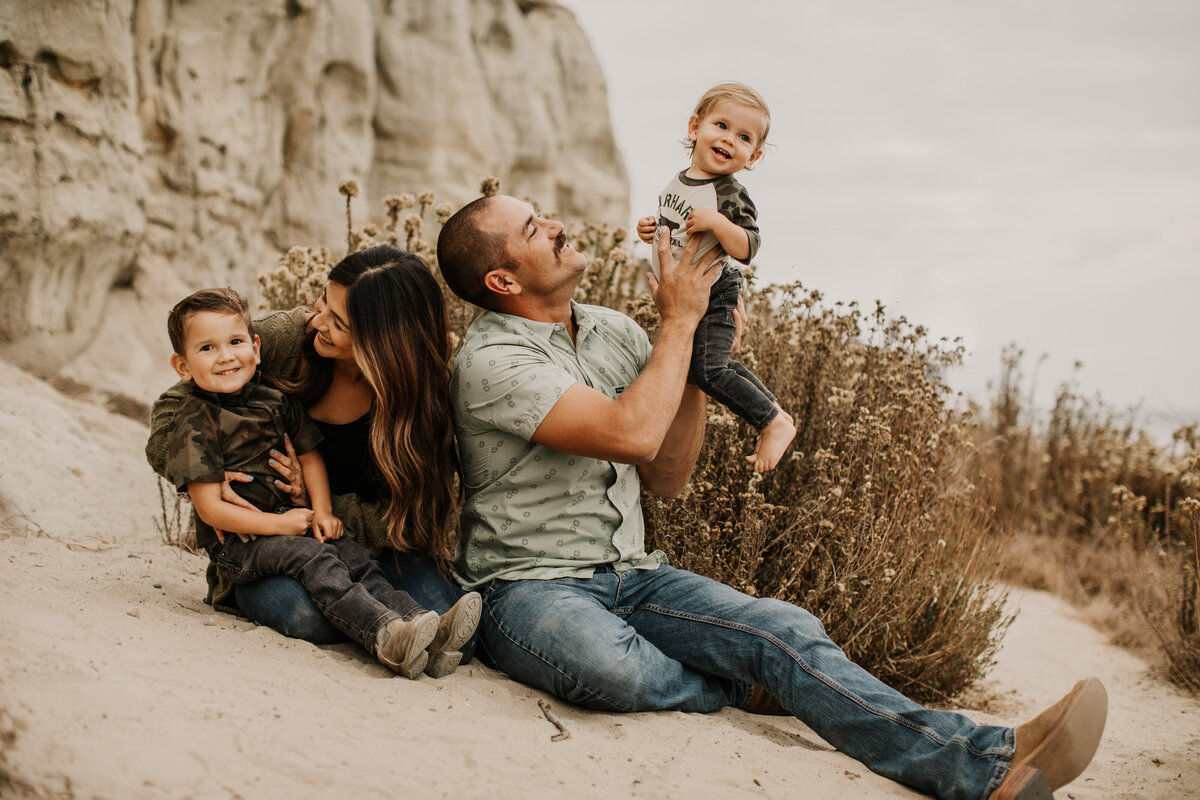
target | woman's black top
[{"x": 347, "y": 453}]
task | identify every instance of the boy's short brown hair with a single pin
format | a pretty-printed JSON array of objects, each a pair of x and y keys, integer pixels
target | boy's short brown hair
[
  {"x": 732, "y": 91},
  {"x": 220, "y": 301}
]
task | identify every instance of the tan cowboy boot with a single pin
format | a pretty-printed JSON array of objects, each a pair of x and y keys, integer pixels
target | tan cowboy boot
[
  {"x": 400, "y": 645},
  {"x": 1054, "y": 747},
  {"x": 455, "y": 629},
  {"x": 763, "y": 702}
]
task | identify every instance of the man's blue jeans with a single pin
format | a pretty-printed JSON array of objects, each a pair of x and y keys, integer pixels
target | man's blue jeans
[
  {"x": 283, "y": 604},
  {"x": 670, "y": 639}
]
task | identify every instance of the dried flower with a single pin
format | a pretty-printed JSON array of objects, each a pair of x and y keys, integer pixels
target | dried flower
[{"x": 398, "y": 202}]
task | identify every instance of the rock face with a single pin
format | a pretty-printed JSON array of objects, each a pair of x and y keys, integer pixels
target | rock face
[{"x": 151, "y": 147}]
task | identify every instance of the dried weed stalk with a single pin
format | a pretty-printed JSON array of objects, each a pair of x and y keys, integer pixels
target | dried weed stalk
[
  {"x": 1111, "y": 511},
  {"x": 175, "y": 524}
]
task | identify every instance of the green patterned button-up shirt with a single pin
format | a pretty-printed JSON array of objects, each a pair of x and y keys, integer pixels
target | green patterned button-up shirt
[{"x": 533, "y": 512}]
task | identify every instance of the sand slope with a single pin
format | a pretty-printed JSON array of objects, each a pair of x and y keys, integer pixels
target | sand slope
[{"x": 118, "y": 682}]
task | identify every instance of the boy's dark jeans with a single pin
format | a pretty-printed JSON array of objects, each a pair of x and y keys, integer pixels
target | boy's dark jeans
[
  {"x": 712, "y": 368},
  {"x": 344, "y": 582}
]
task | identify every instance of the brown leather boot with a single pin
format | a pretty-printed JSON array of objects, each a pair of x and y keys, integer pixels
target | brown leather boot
[
  {"x": 763, "y": 702},
  {"x": 1056, "y": 745}
]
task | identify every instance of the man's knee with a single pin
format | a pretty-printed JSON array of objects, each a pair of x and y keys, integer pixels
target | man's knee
[
  {"x": 783, "y": 621},
  {"x": 594, "y": 666}
]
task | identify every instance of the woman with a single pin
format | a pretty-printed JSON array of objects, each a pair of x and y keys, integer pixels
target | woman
[{"x": 371, "y": 365}]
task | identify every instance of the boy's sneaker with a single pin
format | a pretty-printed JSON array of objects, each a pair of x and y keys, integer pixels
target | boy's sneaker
[
  {"x": 400, "y": 645},
  {"x": 454, "y": 629}
]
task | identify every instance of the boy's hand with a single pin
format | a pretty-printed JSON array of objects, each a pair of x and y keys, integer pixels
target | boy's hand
[
  {"x": 230, "y": 496},
  {"x": 645, "y": 229},
  {"x": 294, "y": 522},
  {"x": 325, "y": 526},
  {"x": 703, "y": 219}
]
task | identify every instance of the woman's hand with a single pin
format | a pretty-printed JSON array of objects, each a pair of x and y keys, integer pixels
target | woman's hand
[{"x": 288, "y": 467}]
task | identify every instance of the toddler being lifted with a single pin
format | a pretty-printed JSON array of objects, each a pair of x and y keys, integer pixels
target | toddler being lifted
[{"x": 726, "y": 133}]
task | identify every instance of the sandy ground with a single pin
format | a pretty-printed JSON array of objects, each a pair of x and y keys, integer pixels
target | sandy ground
[{"x": 118, "y": 682}]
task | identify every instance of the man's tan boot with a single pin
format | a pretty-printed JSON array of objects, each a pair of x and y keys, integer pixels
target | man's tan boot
[
  {"x": 1054, "y": 747},
  {"x": 763, "y": 702}
]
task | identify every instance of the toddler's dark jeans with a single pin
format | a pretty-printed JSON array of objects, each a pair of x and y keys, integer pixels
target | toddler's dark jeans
[
  {"x": 713, "y": 369},
  {"x": 346, "y": 585}
]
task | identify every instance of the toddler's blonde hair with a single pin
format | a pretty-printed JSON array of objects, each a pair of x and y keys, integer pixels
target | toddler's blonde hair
[{"x": 732, "y": 91}]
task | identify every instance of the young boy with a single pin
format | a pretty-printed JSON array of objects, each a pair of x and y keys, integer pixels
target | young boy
[
  {"x": 726, "y": 134},
  {"x": 230, "y": 422}
]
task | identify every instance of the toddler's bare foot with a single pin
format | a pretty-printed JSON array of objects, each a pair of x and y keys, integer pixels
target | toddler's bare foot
[{"x": 772, "y": 441}]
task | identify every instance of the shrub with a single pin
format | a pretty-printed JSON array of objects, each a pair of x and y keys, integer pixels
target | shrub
[
  {"x": 873, "y": 522},
  {"x": 1113, "y": 513}
]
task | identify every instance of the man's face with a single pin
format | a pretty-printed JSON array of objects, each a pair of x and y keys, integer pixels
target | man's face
[{"x": 545, "y": 260}]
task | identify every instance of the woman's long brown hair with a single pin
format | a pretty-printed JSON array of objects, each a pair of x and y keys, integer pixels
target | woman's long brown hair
[{"x": 401, "y": 339}]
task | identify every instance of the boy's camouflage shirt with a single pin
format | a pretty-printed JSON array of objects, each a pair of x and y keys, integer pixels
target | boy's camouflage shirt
[{"x": 219, "y": 433}]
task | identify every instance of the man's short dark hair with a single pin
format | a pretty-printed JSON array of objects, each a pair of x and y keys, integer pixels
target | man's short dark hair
[
  {"x": 466, "y": 253},
  {"x": 221, "y": 301}
]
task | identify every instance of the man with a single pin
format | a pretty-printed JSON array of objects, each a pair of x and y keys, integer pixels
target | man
[{"x": 562, "y": 411}]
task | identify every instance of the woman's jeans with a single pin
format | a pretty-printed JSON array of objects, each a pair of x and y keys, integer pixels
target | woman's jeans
[
  {"x": 281, "y": 603},
  {"x": 669, "y": 639}
]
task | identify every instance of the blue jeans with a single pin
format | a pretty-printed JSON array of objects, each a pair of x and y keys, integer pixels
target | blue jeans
[
  {"x": 670, "y": 639},
  {"x": 282, "y": 604},
  {"x": 712, "y": 368}
]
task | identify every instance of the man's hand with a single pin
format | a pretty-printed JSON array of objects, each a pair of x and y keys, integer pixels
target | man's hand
[
  {"x": 645, "y": 229},
  {"x": 739, "y": 323},
  {"x": 682, "y": 288},
  {"x": 325, "y": 526}
]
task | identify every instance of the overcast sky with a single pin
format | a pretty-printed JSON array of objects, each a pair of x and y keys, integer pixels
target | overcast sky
[{"x": 1021, "y": 172}]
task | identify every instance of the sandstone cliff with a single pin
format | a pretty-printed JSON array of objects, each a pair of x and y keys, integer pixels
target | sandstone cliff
[{"x": 154, "y": 146}]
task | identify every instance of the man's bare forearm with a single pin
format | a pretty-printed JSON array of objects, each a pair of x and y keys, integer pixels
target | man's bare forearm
[
  {"x": 672, "y": 468},
  {"x": 631, "y": 428},
  {"x": 651, "y": 401}
]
